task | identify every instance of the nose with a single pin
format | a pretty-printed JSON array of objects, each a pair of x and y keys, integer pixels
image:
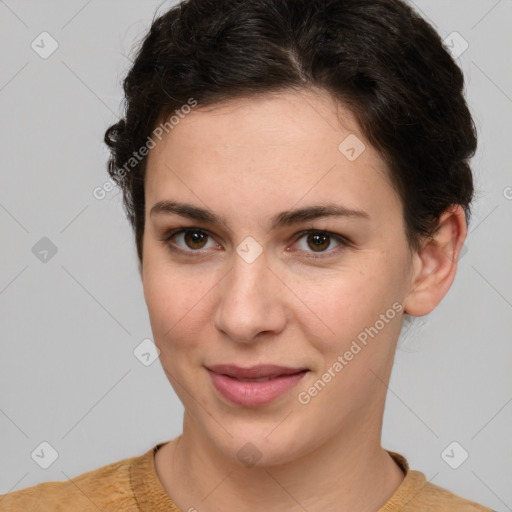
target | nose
[{"x": 250, "y": 303}]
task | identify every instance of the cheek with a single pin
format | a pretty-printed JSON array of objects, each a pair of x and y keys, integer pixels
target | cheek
[
  {"x": 344, "y": 305},
  {"x": 176, "y": 303}
]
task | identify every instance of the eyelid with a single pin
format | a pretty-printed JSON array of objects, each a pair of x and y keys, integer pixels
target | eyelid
[
  {"x": 342, "y": 240},
  {"x": 168, "y": 235}
]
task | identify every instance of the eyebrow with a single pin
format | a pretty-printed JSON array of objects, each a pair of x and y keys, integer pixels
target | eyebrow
[{"x": 285, "y": 218}]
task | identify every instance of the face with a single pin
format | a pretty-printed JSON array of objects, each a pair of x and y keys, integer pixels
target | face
[{"x": 253, "y": 284}]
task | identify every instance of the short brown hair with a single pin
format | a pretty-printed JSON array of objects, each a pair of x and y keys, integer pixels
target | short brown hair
[{"x": 378, "y": 57}]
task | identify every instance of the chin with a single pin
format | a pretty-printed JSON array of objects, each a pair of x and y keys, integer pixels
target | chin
[{"x": 259, "y": 446}]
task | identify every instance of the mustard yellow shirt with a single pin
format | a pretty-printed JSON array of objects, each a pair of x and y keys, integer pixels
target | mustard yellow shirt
[{"x": 132, "y": 485}]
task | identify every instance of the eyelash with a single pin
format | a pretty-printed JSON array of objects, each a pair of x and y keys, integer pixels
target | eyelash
[{"x": 168, "y": 236}]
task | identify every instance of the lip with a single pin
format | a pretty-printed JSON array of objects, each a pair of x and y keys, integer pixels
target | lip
[{"x": 256, "y": 393}]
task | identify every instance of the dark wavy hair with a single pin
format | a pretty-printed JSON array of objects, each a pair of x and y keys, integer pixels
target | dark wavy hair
[{"x": 378, "y": 57}]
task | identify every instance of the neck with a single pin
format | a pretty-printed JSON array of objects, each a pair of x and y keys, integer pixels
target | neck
[{"x": 333, "y": 476}]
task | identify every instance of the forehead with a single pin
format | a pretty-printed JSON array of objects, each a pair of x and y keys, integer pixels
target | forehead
[
  {"x": 268, "y": 151},
  {"x": 308, "y": 119}
]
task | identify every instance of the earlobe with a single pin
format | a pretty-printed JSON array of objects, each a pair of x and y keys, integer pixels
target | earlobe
[{"x": 435, "y": 264}]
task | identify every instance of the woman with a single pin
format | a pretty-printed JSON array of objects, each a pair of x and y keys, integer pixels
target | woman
[{"x": 296, "y": 173}]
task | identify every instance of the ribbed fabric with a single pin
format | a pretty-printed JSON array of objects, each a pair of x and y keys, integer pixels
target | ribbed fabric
[
  {"x": 132, "y": 485},
  {"x": 417, "y": 494},
  {"x": 147, "y": 488}
]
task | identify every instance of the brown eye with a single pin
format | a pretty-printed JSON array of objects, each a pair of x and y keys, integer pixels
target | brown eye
[
  {"x": 195, "y": 239},
  {"x": 187, "y": 240},
  {"x": 318, "y": 241}
]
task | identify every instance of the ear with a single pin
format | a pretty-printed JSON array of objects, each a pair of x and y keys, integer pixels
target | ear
[{"x": 435, "y": 264}]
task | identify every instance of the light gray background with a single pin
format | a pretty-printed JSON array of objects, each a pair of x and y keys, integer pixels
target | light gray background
[{"x": 68, "y": 374}]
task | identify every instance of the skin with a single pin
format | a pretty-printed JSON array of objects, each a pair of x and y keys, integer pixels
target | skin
[{"x": 248, "y": 160}]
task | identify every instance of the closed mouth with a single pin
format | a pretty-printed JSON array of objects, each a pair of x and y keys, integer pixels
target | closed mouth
[{"x": 260, "y": 373}]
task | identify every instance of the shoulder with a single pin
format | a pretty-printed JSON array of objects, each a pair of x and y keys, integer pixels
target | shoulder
[
  {"x": 105, "y": 488},
  {"x": 416, "y": 493},
  {"x": 429, "y": 497}
]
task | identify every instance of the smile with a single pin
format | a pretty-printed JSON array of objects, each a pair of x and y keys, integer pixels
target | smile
[{"x": 256, "y": 386}]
